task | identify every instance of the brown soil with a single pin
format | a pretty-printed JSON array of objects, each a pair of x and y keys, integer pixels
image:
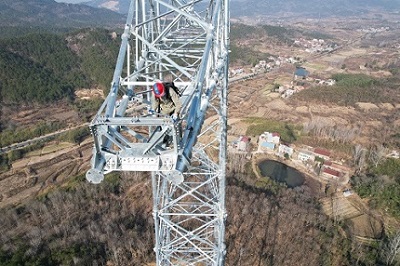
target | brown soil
[
  {"x": 25, "y": 116},
  {"x": 31, "y": 176}
]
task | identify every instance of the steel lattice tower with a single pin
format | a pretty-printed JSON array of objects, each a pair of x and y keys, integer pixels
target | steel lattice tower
[{"x": 186, "y": 42}]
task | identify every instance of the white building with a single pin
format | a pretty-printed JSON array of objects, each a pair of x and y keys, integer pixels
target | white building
[
  {"x": 270, "y": 137},
  {"x": 243, "y": 143},
  {"x": 284, "y": 149},
  {"x": 306, "y": 156}
]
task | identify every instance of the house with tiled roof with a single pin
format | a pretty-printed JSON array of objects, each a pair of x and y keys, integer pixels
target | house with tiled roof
[
  {"x": 330, "y": 173},
  {"x": 243, "y": 143},
  {"x": 322, "y": 153},
  {"x": 337, "y": 166}
]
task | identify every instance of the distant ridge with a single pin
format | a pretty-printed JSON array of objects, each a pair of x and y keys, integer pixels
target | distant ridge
[
  {"x": 311, "y": 8},
  {"x": 279, "y": 7},
  {"x": 48, "y": 13},
  {"x": 120, "y": 6}
]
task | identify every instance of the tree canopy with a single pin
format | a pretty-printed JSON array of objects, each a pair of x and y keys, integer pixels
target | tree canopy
[{"x": 44, "y": 68}]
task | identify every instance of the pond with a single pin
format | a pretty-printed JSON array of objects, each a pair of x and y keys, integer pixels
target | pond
[{"x": 281, "y": 173}]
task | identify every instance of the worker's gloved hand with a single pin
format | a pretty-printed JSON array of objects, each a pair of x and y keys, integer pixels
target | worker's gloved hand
[{"x": 174, "y": 117}]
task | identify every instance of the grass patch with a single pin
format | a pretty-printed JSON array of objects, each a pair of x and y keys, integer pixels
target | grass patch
[
  {"x": 315, "y": 66},
  {"x": 283, "y": 79},
  {"x": 14, "y": 135},
  {"x": 389, "y": 167},
  {"x": 352, "y": 88},
  {"x": 76, "y": 135},
  {"x": 112, "y": 182},
  {"x": 55, "y": 147},
  {"x": 249, "y": 171},
  {"x": 288, "y": 132},
  {"x": 74, "y": 181},
  {"x": 70, "y": 185},
  {"x": 48, "y": 149},
  {"x": 269, "y": 185},
  {"x": 34, "y": 153},
  {"x": 244, "y": 55}
]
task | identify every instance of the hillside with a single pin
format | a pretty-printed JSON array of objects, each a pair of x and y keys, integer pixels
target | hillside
[
  {"x": 43, "y": 68},
  {"x": 51, "y": 15},
  {"x": 41, "y": 75}
]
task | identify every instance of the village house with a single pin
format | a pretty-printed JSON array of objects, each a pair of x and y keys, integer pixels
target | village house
[
  {"x": 283, "y": 88},
  {"x": 270, "y": 137},
  {"x": 305, "y": 156},
  {"x": 288, "y": 93},
  {"x": 330, "y": 82},
  {"x": 243, "y": 143},
  {"x": 269, "y": 140},
  {"x": 334, "y": 170},
  {"x": 347, "y": 192},
  {"x": 337, "y": 167},
  {"x": 236, "y": 71},
  {"x": 285, "y": 149},
  {"x": 291, "y": 60},
  {"x": 299, "y": 88},
  {"x": 330, "y": 173},
  {"x": 324, "y": 154}
]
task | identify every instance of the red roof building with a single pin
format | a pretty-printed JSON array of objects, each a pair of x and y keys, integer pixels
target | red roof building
[
  {"x": 244, "y": 138},
  {"x": 331, "y": 173},
  {"x": 243, "y": 143},
  {"x": 322, "y": 153}
]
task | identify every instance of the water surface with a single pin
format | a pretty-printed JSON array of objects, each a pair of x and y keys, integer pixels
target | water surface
[{"x": 281, "y": 173}]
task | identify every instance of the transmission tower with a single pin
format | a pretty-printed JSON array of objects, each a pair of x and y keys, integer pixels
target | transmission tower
[{"x": 186, "y": 42}]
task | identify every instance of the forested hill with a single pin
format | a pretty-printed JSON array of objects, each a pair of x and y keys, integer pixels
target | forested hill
[
  {"x": 50, "y": 14},
  {"x": 47, "y": 67},
  {"x": 43, "y": 68}
]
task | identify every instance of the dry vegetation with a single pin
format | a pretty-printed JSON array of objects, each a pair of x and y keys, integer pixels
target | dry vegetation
[
  {"x": 112, "y": 223},
  {"x": 82, "y": 224}
]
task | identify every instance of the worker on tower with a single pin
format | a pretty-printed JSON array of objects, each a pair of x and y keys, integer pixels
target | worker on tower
[{"x": 165, "y": 100}]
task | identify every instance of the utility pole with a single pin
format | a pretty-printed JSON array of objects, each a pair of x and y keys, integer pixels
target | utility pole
[{"x": 186, "y": 42}]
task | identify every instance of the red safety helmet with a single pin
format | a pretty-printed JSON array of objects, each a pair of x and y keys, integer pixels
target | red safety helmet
[{"x": 158, "y": 89}]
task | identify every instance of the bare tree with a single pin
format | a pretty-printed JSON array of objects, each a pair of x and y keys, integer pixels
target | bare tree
[
  {"x": 392, "y": 249},
  {"x": 237, "y": 162},
  {"x": 323, "y": 128},
  {"x": 376, "y": 154},
  {"x": 359, "y": 157}
]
